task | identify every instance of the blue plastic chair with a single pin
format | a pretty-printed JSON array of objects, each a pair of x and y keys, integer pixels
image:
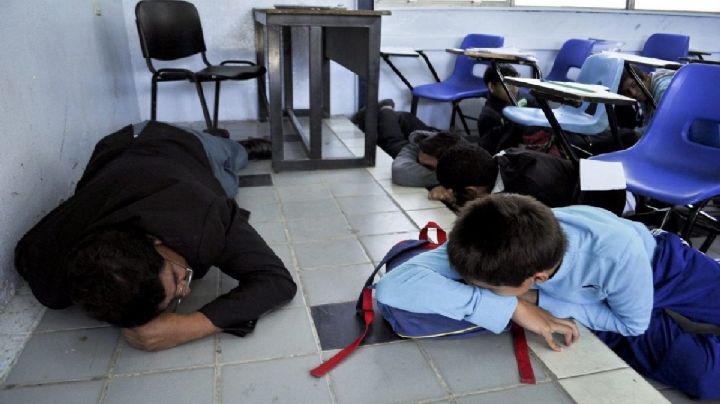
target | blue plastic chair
[
  {"x": 665, "y": 46},
  {"x": 572, "y": 54},
  {"x": 586, "y": 120},
  {"x": 461, "y": 84},
  {"x": 670, "y": 163}
]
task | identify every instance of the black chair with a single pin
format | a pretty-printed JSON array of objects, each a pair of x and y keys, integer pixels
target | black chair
[{"x": 170, "y": 30}]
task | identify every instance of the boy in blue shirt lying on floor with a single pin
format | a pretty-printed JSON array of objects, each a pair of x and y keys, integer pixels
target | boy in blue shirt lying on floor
[{"x": 511, "y": 257}]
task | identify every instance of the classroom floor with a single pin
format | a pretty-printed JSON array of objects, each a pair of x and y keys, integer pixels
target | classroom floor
[{"x": 329, "y": 227}]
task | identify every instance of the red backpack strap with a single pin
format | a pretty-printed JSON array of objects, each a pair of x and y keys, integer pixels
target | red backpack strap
[
  {"x": 522, "y": 356},
  {"x": 434, "y": 234},
  {"x": 366, "y": 302},
  {"x": 369, "y": 315}
]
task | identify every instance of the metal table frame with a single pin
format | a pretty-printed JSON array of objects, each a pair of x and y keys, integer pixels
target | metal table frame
[
  {"x": 349, "y": 37},
  {"x": 495, "y": 56},
  {"x": 572, "y": 94}
]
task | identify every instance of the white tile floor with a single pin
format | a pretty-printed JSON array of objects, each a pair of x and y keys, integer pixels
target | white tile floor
[{"x": 329, "y": 227}]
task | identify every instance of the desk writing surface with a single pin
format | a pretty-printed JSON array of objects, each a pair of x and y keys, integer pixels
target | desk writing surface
[
  {"x": 509, "y": 54},
  {"x": 322, "y": 11},
  {"x": 644, "y": 60},
  {"x": 572, "y": 90}
]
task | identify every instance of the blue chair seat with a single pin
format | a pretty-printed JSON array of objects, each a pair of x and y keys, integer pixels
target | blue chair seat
[
  {"x": 597, "y": 69},
  {"x": 569, "y": 118},
  {"x": 449, "y": 92},
  {"x": 462, "y": 83},
  {"x": 677, "y": 160},
  {"x": 669, "y": 183}
]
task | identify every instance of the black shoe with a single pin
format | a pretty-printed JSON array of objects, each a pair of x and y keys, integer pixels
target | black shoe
[
  {"x": 359, "y": 119},
  {"x": 257, "y": 149}
]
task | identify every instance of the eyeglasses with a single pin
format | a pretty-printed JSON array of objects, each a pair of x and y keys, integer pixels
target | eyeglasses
[{"x": 187, "y": 278}]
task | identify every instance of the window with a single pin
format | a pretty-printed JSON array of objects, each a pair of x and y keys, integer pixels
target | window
[
  {"x": 673, "y": 5},
  {"x": 658, "y": 5},
  {"x": 618, "y": 4}
]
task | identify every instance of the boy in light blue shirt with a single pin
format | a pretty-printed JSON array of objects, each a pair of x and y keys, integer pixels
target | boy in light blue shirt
[{"x": 510, "y": 257}]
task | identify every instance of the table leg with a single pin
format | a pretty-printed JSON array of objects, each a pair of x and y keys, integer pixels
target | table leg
[
  {"x": 287, "y": 68},
  {"x": 325, "y": 80},
  {"x": 372, "y": 80},
  {"x": 316, "y": 91},
  {"x": 511, "y": 97},
  {"x": 260, "y": 60},
  {"x": 612, "y": 121},
  {"x": 274, "y": 47},
  {"x": 558, "y": 133},
  {"x": 536, "y": 70}
]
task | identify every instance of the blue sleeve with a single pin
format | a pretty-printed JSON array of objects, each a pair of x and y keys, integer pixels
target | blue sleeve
[
  {"x": 629, "y": 298},
  {"x": 420, "y": 288}
]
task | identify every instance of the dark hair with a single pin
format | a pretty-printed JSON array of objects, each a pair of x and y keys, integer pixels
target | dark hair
[
  {"x": 626, "y": 75},
  {"x": 491, "y": 76},
  {"x": 113, "y": 274},
  {"x": 437, "y": 144},
  {"x": 503, "y": 239},
  {"x": 466, "y": 165}
]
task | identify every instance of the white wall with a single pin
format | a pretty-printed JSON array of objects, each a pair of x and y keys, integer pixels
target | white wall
[
  {"x": 229, "y": 34},
  {"x": 65, "y": 83}
]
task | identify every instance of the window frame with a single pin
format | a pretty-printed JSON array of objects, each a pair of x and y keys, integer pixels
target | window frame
[{"x": 510, "y": 5}]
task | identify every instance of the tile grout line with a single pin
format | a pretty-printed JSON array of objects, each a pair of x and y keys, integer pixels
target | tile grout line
[
  {"x": 111, "y": 368},
  {"x": 217, "y": 369},
  {"x": 301, "y": 289},
  {"x": 434, "y": 368}
]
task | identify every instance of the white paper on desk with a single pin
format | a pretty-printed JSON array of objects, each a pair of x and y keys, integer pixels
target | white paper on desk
[{"x": 598, "y": 175}]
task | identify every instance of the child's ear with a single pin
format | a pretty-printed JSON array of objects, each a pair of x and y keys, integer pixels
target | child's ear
[
  {"x": 491, "y": 88},
  {"x": 541, "y": 277}
]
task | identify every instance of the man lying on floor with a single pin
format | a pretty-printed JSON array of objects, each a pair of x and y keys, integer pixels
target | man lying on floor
[{"x": 153, "y": 209}]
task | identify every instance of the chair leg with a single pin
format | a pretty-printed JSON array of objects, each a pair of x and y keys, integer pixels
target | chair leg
[
  {"x": 217, "y": 104},
  {"x": 708, "y": 242},
  {"x": 206, "y": 113},
  {"x": 462, "y": 120},
  {"x": 690, "y": 221},
  {"x": 414, "y": 105},
  {"x": 452, "y": 116},
  {"x": 153, "y": 99}
]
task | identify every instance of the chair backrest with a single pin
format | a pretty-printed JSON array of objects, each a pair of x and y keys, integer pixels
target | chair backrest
[
  {"x": 598, "y": 69},
  {"x": 168, "y": 29},
  {"x": 691, "y": 104},
  {"x": 666, "y": 46},
  {"x": 463, "y": 71},
  {"x": 572, "y": 54}
]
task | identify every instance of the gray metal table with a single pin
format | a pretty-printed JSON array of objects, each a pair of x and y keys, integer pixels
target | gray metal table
[{"x": 349, "y": 37}]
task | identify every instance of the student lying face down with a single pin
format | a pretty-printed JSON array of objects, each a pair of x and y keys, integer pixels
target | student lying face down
[
  {"x": 471, "y": 172},
  {"x": 510, "y": 257},
  {"x": 417, "y": 161}
]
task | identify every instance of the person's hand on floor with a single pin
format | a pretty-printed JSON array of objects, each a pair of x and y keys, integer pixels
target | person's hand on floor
[
  {"x": 168, "y": 330},
  {"x": 541, "y": 322},
  {"x": 440, "y": 193}
]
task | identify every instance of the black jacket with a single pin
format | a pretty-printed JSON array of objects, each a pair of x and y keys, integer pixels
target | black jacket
[
  {"x": 495, "y": 132},
  {"x": 549, "y": 179},
  {"x": 160, "y": 182}
]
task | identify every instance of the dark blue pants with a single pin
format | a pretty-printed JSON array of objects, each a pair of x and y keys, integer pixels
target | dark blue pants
[{"x": 687, "y": 282}]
